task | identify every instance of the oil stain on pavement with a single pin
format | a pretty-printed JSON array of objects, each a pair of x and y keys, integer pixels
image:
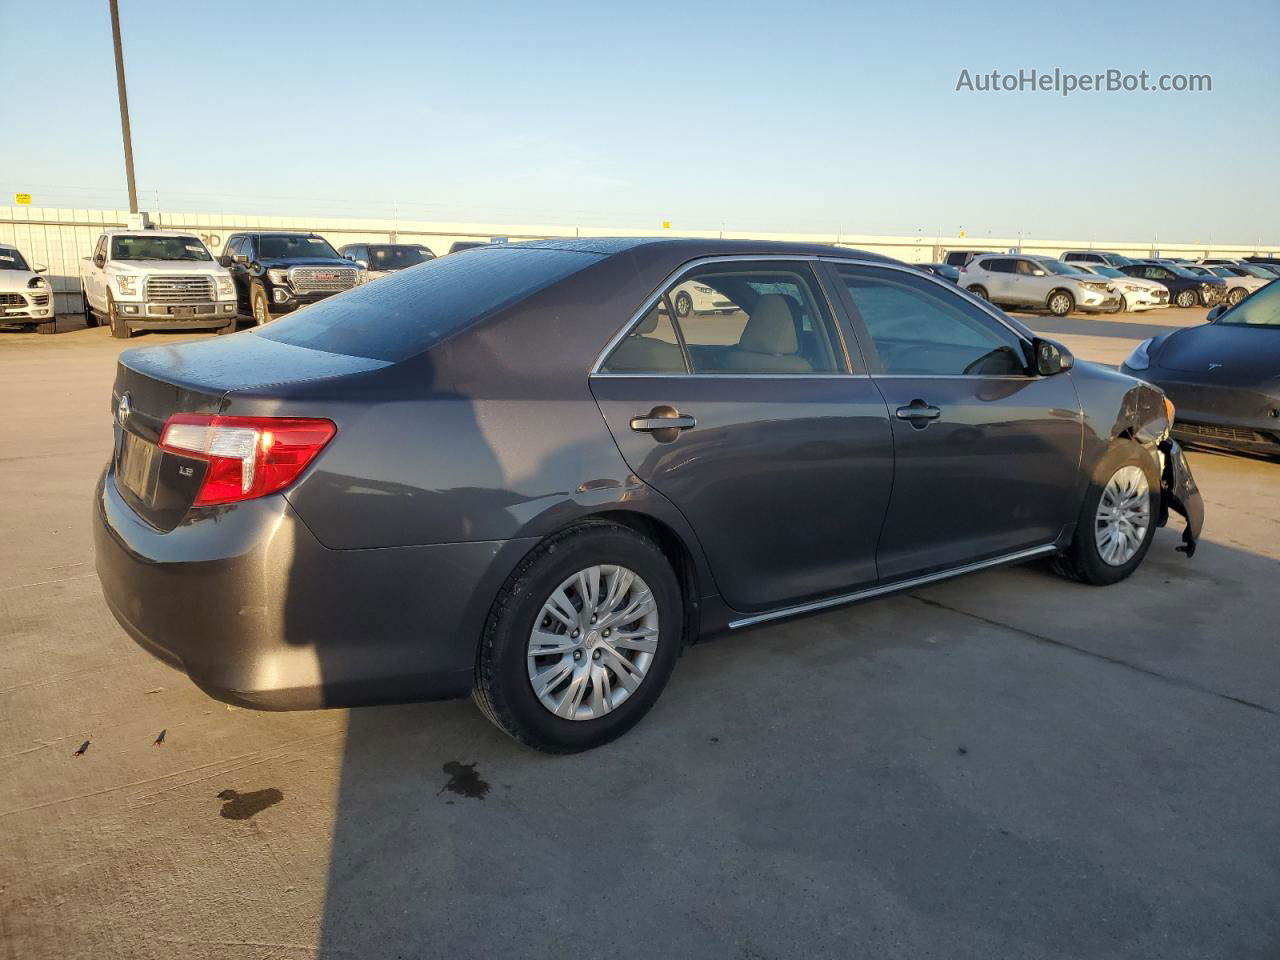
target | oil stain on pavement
[
  {"x": 242, "y": 806},
  {"x": 464, "y": 781}
]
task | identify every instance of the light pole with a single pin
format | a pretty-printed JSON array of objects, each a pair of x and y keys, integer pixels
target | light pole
[{"x": 124, "y": 107}]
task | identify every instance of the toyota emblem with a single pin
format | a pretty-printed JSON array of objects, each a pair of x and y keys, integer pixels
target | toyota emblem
[{"x": 123, "y": 409}]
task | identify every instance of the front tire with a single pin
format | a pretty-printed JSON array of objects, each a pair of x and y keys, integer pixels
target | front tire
[
  {"x": 581, "y": 639},
  {"x": 1236, "y": 295},
  {"x": 1186, "y": 298},
  {"x": 683, "y": 304},
  {"x": 1117, "y": 520},
  {"x": 258, "y": 303},
  {"x": 119, "y": 325},
  {"x": 49, "y": 328},
  {"x": 1061, "y": 303},
  {"x": 980, "y": 292}
]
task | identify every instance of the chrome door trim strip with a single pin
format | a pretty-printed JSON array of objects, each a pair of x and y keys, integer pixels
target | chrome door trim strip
[{"x": 877, "y": 591}]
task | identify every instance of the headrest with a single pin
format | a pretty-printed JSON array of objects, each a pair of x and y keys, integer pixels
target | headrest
[
  {"x": 770, "y": 328},
  {"x": 650, "y": 322}
]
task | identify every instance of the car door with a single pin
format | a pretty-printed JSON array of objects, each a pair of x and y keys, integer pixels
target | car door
[
  {"x": 987, "y": 454},
  {"x": 779, "y": 451},
  {"x": 1000, "y": 276},
  {"x": 1029, "y": 288},
  {"x": 95, "y": 287}
]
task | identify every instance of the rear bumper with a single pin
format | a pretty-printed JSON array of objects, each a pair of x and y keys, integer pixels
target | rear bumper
[{"x": 258, "y": 613}]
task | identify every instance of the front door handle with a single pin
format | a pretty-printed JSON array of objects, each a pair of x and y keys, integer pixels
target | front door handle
[
  {"x": 918, "y": 413},
  {"x": 663, "y": 423}
]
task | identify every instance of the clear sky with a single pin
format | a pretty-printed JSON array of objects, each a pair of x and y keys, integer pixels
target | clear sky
[{"x": 789, "y": 116}]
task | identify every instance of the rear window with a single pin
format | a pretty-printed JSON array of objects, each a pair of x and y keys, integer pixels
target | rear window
[{"x": 406, "y": 313}]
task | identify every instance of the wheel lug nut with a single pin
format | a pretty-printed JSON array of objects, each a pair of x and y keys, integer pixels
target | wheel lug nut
[
  {"x": 593, "y": 618},
  {"x": 607, "y": 631},
  {"x": 574, "y": 634},
  {"x": 595, "y": 655},
  {"x": 577, "y": 654}
]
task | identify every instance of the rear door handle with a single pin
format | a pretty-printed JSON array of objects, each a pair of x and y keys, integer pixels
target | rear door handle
[
  {"x": 663, "y": 423},
  {"x": 649, "y": 424}
]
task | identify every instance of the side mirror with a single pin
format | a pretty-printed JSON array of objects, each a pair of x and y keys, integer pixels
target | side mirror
[
  {"x": 99, "y": 261},
  {"x": 1037, "y": 273},
  {"x": 240, "y": 258},
  {"x": 38, "y": 268},
  {"x": 1051, "y": 357},
  {"x": 1216, "y": 312},
  {"x": 362, "y": 264},
  {"x": 224, "y": 260}
]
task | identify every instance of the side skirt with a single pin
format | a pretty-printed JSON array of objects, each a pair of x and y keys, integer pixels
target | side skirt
[{"x": 1028, "y": 554}]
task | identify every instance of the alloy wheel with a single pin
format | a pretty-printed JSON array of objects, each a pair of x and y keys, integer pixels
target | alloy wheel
[
  {"x": 592, "y": 642},
  {"x": 259, "y": 311},
  {"x": 1123, "y": 516}
]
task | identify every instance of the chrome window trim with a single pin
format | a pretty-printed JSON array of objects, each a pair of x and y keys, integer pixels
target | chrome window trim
[
  {"x": 653, "y": 298},
  {"x": 670, "y": 279},
  {"x": 883, "y": 589},
  {"x": 733, "y": 375}
]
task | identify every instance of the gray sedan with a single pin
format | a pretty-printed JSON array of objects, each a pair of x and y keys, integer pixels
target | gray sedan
[{"x": 523, "y": 474}]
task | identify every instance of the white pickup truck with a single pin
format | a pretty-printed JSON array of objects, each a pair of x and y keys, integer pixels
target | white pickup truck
[{"x": 156, "y": 280}]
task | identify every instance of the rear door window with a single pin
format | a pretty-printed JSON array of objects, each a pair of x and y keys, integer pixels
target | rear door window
[{"x": 764, "y": 318}]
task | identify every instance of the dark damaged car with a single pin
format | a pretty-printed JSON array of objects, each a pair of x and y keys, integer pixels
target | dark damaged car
[
  {"x": 1224, "y": 375},
  {"x": 521, "y": 474}
]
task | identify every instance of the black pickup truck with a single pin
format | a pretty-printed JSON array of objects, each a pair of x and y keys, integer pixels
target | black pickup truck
[{"x": 279, "y": 272}]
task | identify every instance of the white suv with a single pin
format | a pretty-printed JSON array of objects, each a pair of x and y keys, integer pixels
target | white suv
[{"x": 1038, "y": 282}]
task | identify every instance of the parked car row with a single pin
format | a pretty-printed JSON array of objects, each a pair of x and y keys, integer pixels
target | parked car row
[
  {"x": 1100, "y": 280},
  {"x": 167, "y": 279}
]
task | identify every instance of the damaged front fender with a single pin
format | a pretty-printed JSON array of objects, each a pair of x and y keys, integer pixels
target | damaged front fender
[{"x": 1179, "y": 492}]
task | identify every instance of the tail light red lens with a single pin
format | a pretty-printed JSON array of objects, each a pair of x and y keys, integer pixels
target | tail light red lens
[{"x": 248, "y": 457}]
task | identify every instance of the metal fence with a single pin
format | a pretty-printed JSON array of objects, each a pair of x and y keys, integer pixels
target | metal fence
[{"x": 59, "y": 238}]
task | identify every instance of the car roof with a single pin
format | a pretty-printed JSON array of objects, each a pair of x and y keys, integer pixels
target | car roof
[
  {"x": 277, "y": 233},
  {"x": 121, "y": 232},
  {"x": 691, "y": 248}
]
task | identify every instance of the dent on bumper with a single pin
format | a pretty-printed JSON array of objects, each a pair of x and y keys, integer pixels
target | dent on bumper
[
  {"x": 258, "y": 613},
  {"x": 1181, "y": 494}
]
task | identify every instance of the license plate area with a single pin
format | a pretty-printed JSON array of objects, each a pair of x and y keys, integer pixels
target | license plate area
[
  {"x": 136, "y": 469},
  {"x": 182, "y": 311}
]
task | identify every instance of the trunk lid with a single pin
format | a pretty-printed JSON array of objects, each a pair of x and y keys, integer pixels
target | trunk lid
[{"x": 153, "y": 383}]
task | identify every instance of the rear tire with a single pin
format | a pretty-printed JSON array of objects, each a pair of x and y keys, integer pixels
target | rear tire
[
  {"x": 504, "y": 688},
  {"x": 90, "y": 318},
  {"x": 1187, "y": 298},
  {"x": 119, "y": 325},
  {"x": 1083, "y": 560},
  {"x": 980, "y": 292}
]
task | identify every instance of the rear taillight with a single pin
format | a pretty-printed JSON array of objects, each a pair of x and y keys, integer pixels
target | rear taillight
[{"x": 248, "y": 457}]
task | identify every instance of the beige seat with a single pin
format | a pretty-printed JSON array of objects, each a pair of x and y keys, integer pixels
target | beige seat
[
  {"x": 641, "y": 353},
  {"x": 769, "y": 340}
]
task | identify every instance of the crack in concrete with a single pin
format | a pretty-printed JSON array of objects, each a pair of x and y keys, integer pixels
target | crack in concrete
[{"x": 1106, "y": 658}]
